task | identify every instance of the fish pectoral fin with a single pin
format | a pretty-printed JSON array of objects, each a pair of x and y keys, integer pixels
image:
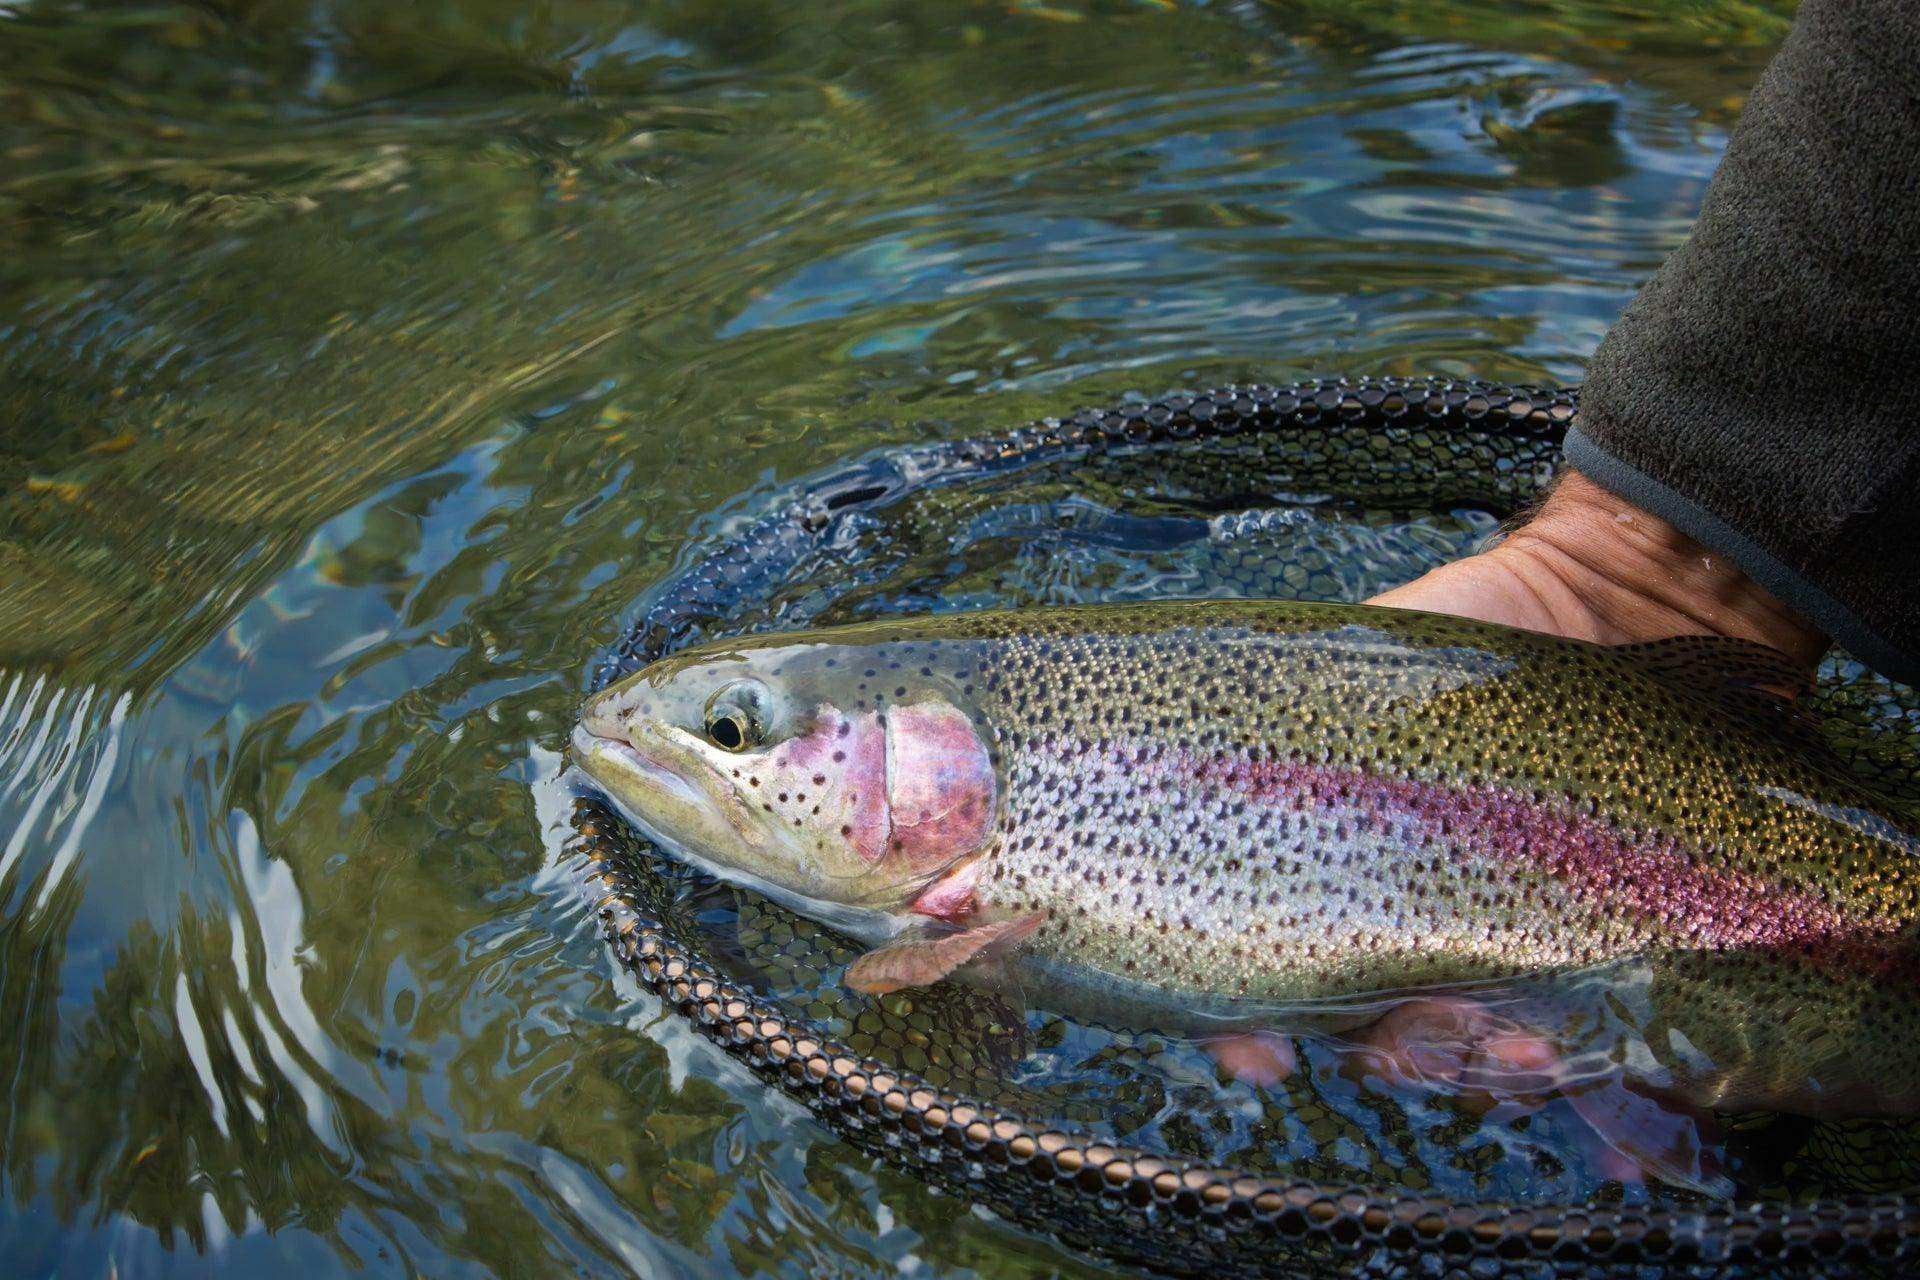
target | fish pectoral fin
[{"x": 922, "y": 961}]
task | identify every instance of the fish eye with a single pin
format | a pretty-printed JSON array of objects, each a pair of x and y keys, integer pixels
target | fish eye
[
  {"x": 736, "y": 716},
  {"x": 728, "y": 731}
]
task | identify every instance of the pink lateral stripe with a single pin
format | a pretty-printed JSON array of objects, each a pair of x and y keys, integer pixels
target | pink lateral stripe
[{"x": 1715, "y": 908}]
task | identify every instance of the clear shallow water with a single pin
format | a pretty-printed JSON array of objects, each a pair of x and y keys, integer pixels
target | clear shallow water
[{"x": 360, "y": 368}]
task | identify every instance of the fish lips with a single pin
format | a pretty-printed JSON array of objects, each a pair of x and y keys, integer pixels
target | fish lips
[
  {"x": 653, "y": 779},
  {"x": 687, "y": 819}
]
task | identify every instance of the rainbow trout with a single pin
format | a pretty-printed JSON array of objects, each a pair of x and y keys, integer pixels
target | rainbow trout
[{"x": 1264, "y": 805}]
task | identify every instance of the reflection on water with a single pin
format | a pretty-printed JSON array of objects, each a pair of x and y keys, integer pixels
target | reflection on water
[{"x": 361, "y": 364}]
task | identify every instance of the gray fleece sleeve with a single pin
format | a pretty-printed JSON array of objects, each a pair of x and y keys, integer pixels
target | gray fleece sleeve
[{"x": 1758, "y": 393}]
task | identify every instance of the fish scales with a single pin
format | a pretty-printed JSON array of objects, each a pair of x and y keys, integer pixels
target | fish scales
[
  {"x": 1294, "y": 814},
  {"x": 1276, "y": 801}
]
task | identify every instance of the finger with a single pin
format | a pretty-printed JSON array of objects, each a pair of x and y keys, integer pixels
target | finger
[
  {"x": 1258, "y": 1058},
  {"x": 1428, "y": 1041}
]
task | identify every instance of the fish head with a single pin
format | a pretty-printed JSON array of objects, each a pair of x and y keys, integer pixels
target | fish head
[{"x": 850, "y": 774}]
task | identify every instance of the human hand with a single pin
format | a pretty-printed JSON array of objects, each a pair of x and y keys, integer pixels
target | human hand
[{"x": 1591, "y": 566}]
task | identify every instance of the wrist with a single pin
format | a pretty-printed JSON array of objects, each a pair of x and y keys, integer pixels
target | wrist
[{"x": 1606, "y": 570}]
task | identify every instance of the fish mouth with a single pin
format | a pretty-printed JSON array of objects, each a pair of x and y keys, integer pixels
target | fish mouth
[
  {"x": 653, "y": 778},
  {"x": 691, "y": 821}
]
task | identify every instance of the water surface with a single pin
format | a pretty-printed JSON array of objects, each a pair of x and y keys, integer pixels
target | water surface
[{"x": 361, "y": 365}]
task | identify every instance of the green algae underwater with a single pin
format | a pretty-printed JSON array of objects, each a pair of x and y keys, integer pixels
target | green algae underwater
[{"x": 363, "y": 365}]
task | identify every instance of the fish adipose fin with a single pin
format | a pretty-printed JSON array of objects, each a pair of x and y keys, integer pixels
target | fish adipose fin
[
  {"x": 921, "y": 961},
  {"x": 1741, "y": 676}
]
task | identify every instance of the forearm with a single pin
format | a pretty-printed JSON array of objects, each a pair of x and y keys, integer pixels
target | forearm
[
  {"x": 1620, "y": 574},
  {"x": 1590, "y": 565}
]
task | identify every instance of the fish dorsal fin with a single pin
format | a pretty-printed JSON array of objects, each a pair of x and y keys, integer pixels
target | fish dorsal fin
[
  {"x": 1742, "y": 676},
  {"x": 1714, "y": 664}
]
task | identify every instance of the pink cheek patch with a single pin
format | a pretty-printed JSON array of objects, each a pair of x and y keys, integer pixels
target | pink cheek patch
[
  {"x": 941, "y": 784},
  {"x": 853, "y": 755}
]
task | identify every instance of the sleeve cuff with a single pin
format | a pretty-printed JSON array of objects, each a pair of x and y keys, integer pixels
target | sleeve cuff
[{"x": 1775, "y": 576}]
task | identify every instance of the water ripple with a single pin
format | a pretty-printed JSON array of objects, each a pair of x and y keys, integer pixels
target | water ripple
[{"x": 367, "y": 362}]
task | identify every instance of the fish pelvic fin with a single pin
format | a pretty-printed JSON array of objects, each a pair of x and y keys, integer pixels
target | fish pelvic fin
[{"x": 923, "y": 960}]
